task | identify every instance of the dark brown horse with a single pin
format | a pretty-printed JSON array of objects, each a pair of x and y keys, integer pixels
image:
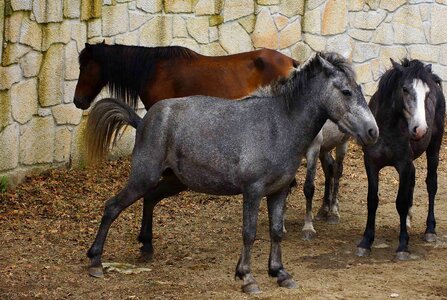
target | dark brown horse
[{"x": 158, "y": 73}]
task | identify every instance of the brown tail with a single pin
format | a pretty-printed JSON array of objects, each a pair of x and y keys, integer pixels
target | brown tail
[{"x": 106, "y": 120}]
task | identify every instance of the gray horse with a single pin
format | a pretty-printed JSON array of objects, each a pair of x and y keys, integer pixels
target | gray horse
[{"x": 247, "y": 147}]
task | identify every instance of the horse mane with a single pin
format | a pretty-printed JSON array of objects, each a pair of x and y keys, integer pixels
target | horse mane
[
  {"x": 126, "y": 68},
  {"x": 295, "y": 85}
]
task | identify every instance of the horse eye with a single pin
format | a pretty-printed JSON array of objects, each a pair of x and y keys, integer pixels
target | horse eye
[
  {"x": 346, "y": 92},
  {"x": 405, "y": 90}
]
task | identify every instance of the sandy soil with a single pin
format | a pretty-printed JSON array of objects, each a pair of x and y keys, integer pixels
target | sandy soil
[{"x": 48, "y": 223}]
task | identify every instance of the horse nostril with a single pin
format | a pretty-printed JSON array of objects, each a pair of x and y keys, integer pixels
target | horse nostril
[
  {"x": 372, "y": 132},
  {"x": 415, "y": 129}
]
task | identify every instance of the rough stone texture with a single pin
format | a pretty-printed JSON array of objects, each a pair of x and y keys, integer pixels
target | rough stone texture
[
  {"x": 360, "y": 34},
  {"x": 90, "y": 9},
  {"x": 71, "y": 61},
  {"x": 214, "y": 34},
  {"x": 312, "y": 4},
  {"x": 394, "y": 52},
  {"x": 377, "y": 69},
  {"x": 39, "y": 137},
  {"x": 13, "y": 25},
  {"x": 365, "y": 51},
  {"x": 137, "y": 19},
  {"x": 206, "y": 7},
  {"x": 341, "y": 44},
  {"x": 115, "y": 19},
  {"x": 268, "y": 2},
  {"x": 72, "y": 9},
  {"x": 150, "y": 6},
  {"x": 78, "y": 34},
  {"x": 21, "y": 5},
  {"x": 426, "y": 53},
  {"x": 62, "y": 144},
  {"x": 56, "y": 33},
  {"x": 234, "y": 38},
  {"x": 69, "y": 90},
  {"x": 312, "y": 21},
  {"x": 290, "y": 8},
  {"x": 438, "y": 33},
  {"x": 67, "y": 114},
  {"x": 316, "y": 42},
  {"x": 265, "y": 33},
  {"x": 157, "y": 32},
  {"x": 356, "y": 5},
  {"x": 179, "y": 27},
  {"x": 13, "y": 52},
  {"x": 363, "y": 72},
  {"x": 31, "y": 34},
  {"x": 407, "y": 25},
  {"x": 178, "y": 6},
  {"x": 301, "y": 52},
  {"x": 5, "y": 109},
  {"x": 290, "y": 35},
  {"x": 94, "y": 28},
  {"x": 51, "y": 76},
  {"x": 366, "y": 20},
  {"x": 48, "y": 11},
  {"x": 391, "y": 5},
  {"x": 281, "y": 21},
  {"x": 131, "y": 39},
  {"x": 188, "y": 43},
  {"x": 235, "y": 9},
  {"x": 384, "y": 34},
  {"x": 443, "y": 55},
  {"x": 335, "y": 17},
  {"x": 213, "y": 49},
  {"x": 9, "y": 139},
  {"x": 10, "y": 75},
  {"x": 24, "y": 100},
  {"x": 198, "y": 29},
  {"x": 248, "y": 23}
]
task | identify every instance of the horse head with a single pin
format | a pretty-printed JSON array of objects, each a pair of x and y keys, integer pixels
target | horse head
[{"x": 90, "y": 81}]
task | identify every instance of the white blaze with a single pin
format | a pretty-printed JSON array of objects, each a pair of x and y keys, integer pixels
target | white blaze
[{"x": 421, "y": 89}]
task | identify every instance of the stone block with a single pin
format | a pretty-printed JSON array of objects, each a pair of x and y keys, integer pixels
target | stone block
[
  {"x": 235, "y": 9},
  {"x": 157, "y": 31},
  {"x": 312, "y": 21},
  {"x": 234, "y": 38},
  {"x": 301, "y": 52},
  {"x": 186, "y": 42},
  {"x": 62, "y": 144},
  {"x": 90, "y": 9},
  {"x": 51, "y": 76},
  {"x": 150, "y": 6},
  {"x": 292, "y": 8},
  {"x": 341, "y": 44},
  {"x": 384, "y": 34},
  {"x": 21, "y": 5},
  {"x": 363, "y": 72},
  {"x": 67, "y": 114},
  {"x": 178, "y": 6},
  {"x": 268, "y": 2},
  {"x": 71, "y": 61},
  {"x": 214, "y": 34},
  {"x": 13, "y": 25},
  {"x": 316, "y": 42},
  {"x": 13, "y": 52},
  {"x": 366, "y": 20},
  {"x": 55, "y": 33},
  {"x": 265, "y": 33},
  {"x": 79, "y": 35},
  {"x": 37, "y": 141},
  {"x": 48, "y": 11},
  {"x": 248, "y": 23},
  {"x": 206, "y": 7},
  {"x": 281, "y": 21},
  {"x": 72, "y": 9},
  {"x": 69, "y": 90},
  {"x": 9, "y": 139},
  {"x": 179, "y": 27},
  {"x": 391, "y": 5},
  {"x": 115, "y": 19},
  {"x": 5, "y": 109},
  {"x": 360, "y": 34},
  {"x": 24, "y": 100},
  {"x": 439, "y": 70},
  {"x": 395, "y": 52},
  {"x": 365, "y": 51},
  {"x": 290, "y": 35},
  {"x": 137, "y": 19},
  {"x": 443, "y": 56},
  {"x": 369, "y": 89},
  {"x": 426, "y": 53},
  {"x": 356, "y": 5},
  {"x": 212, "y": 49},
  {"x": 93, "y": 28},
  {"x": 407, "y": 25},
  {"x": 335, "y": 17},
  {"x": 128, "y": 38},
  {"x": 312, "y": 4},
  {"x": 438, "y": 33},
  {"x": 31, "y": 34},
  {"x": 198, "y": 29},
  {"x": 10, "y": 75}
]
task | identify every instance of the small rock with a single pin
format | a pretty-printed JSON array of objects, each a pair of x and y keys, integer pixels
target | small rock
[{"x": 394, "y": 295}]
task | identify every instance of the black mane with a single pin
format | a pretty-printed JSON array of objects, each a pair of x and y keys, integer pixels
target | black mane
[
  {"x": 126, "y": 68},
  {"x": 296, "y": 83}
]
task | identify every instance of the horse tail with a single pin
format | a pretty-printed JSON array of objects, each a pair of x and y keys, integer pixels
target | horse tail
[{"x": 107, "y": 119}]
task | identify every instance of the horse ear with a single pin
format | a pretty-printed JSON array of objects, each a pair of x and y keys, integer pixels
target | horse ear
[
  {"x": 428, "y": 68},
  {"x": 103, "y": 41},
  {"x": 396, "y": 65},
  {"x": 329, "y": 69}
]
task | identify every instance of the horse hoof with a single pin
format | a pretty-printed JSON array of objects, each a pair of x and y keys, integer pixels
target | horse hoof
[
  {"x": 96, "y": 271},
  {"x": 309, "y": 235},
  {"x": 321, "y": 214},
  {"x": 251, "y": 288},
  {"x": 288, "y": 283},
  {"x": 363, "y": 252},
  {"x": 402, "y": 255},
  {"x": 333, "y": 219},
  {"x": 430, "y": 237},
  {"x": 146, "y": 256}
]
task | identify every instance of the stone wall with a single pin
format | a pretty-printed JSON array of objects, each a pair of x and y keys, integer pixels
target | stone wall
[{"x": 41, "y": 128}]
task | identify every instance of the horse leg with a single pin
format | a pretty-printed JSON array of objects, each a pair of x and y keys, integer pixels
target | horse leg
[
  {"x": 170, "y": 185},
  {"x": 276, "y": 203},
  {"x": 364, "y": 247},
  {"x": 249, "y": 220},
  {"x": 340, "y": 152},
  {"x": 432, "y": 188},
  {"x": 309, "y": 232},
  {"x": 403, "y": 202},
  {"x": 327, "y": 162}
]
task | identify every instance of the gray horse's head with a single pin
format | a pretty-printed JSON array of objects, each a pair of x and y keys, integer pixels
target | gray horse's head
[{"x": 344, "y": 101}]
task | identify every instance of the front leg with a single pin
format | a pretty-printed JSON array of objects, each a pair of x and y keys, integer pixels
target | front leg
[
  {"x": 309, "y": 232},
  {"x": 372, "y": 171},
  {"x": 276, "y": 203},
  {"x": 403, "y": 202},
  {"x": 340, "y": 152}
]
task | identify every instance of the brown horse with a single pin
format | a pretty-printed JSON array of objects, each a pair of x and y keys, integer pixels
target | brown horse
[{"x": 158, "y": 73}]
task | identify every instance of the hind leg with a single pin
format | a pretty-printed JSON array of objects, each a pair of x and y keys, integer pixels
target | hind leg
[
  {"x": 138, "y": 185},
  {"x": 309, "y": 232},
  {"x": 327, "y": 163},
  {"x": 170, "y": 185},
  {"x": 340, "y": 152}
]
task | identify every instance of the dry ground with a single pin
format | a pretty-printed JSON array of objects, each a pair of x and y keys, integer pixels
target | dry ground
[{"x": 48, "y": 223}]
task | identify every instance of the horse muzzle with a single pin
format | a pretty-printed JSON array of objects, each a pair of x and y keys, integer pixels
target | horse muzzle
[
  {"x": 418, "y": 132},
  {"x": 81, "y": 103}
]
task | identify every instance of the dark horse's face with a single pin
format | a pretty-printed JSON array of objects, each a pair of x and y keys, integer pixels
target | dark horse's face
[
  {"x": 90, "y": 81},
  {"x": 412, "y": 94},
  {"x": 347, "y": 106}
]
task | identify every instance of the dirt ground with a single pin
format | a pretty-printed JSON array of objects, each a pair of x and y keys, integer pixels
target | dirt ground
[{"x": 48, "y": 223}]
